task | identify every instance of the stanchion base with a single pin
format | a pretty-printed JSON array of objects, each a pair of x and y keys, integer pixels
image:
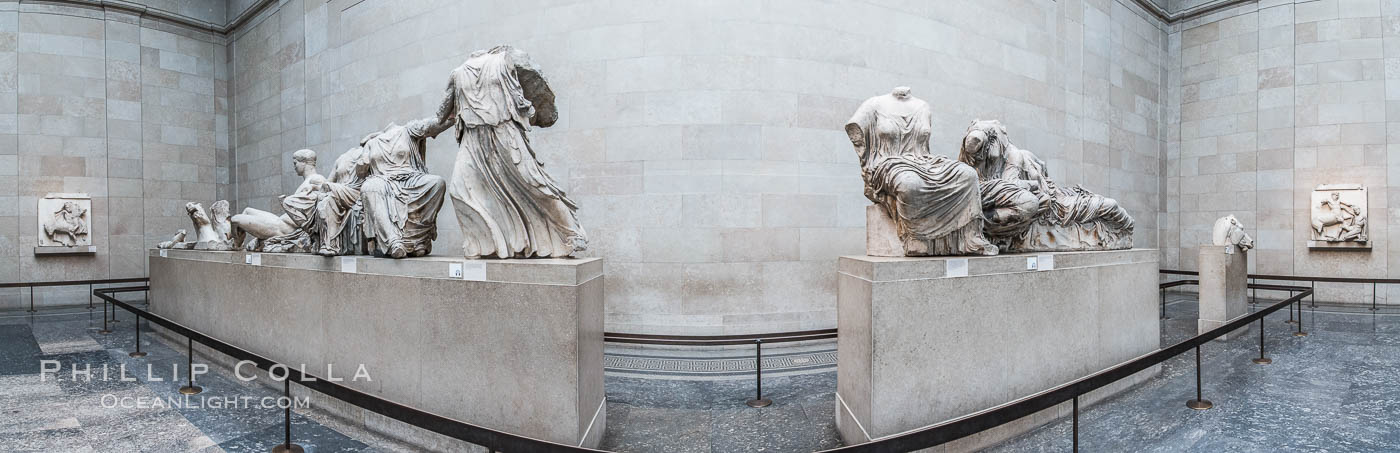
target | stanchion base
[
  {"x": 1263, "y": 361},
  {"x": 283, "y": 448},
  {"x": 1300, "y": 334},
  {"x": 1199, "y": 405},
  {"x": 137, "y": 354},
  {"x": 1290, "y": 322},
  {"x": 191, "y": 390},
  {"x": 104, "y": 331},
  {"x": 762, "y": 402}
]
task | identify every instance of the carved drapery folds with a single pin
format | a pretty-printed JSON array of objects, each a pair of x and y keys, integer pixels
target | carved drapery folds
[{"x": 994, "y": 198}]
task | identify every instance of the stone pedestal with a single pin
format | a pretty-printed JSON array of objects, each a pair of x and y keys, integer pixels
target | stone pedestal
[
  {"x": 1224, "y": 291},
  {"x": 925, "y": 340},
  {"x": 881, "y": 234},
  {"x": 515, "y": 345}
]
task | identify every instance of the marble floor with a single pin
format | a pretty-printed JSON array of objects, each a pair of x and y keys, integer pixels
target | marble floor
[{"x": 1336, "y": 390}]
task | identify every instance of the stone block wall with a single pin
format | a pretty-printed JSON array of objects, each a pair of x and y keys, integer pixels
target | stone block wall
[
  {"x": 114, "y": 104},
  {"x": 1275, "y": 98},
  {"x": 703, "y": 139}
]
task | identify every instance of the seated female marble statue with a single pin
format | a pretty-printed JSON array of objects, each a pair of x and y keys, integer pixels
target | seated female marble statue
[
  {"x": 933, "y": 200},
  {"x": 1026, "y": 211}
]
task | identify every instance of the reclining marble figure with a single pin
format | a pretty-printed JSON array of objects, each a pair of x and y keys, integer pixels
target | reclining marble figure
[
  {"x": 933, "y": 200},
  {"x": 1229, "y": 231},
  {"x": 1026, "y": 211},
  {"x": 506, "y": 204},
  {"x": 312, "y": 220}
]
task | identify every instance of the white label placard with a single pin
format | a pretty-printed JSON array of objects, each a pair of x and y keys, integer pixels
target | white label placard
[
  {"x": 164, "y": 253},
  {"x": 474, "y": 271},
  {"x": 347, "y": 264},
  {"x": 253, "y": 259},
  {"x": 1030, "y": 263},
  {"x": 1045, "y": 262},
  {"x": 454, "y": 270},
  {"x": 92, "y": 249},
  {"x": 957, "y": 267}
]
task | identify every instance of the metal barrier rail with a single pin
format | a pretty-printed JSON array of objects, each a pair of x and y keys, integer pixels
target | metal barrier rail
[
  {"x": 728, "y": 340},
  {"x": 948, "y": 431},
  {"x": 89, "y": 283},
  {"x": 493, "y": 440},
  {"x": 1313, "y": 280}
]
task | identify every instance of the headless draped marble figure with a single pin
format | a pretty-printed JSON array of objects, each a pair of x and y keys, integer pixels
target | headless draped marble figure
[
  {"x": 1026, "y": 211},
  {"x": 932, "y": 199},
  {"x": 506, "y": 204}
]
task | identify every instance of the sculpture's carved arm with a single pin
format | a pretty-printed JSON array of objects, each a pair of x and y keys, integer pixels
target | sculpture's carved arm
[{"x": 445, "y": 118}]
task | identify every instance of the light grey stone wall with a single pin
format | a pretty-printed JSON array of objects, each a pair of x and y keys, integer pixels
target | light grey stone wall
[
  {"x": 703, "y": 139},
  {"x": 105, "y": 102},
  {"x": 1276, "y": 97}
]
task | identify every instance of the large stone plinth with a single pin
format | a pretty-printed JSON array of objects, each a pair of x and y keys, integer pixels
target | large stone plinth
[
  {"x": 515, "y": 345},
  {"x": 1224, "y": 287},
  {"x": 925, "y": 340}
]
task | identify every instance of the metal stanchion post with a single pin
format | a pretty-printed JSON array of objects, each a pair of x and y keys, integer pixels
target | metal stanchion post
[
  {"x": 190, "y": 388},
  {"x": 1262, "y": 360},
  {"x": 1076, "y": 423},
  {"x": 1373, "y": 296},
  {"x": 1164, "y": 303},
  {"x": 1290, "y": 311},
  {"x": 1300, "y": 332},
  {"x": 31, "y": 299},
  {"x": 1199, "y": 403},
  {"x": 287, "y": 445},
  {"x": 137, "y": 354},
  {"x": 758, "y": 400},
  {"x": 105, "y": 330},
  {"x": 1312, "y": 298},
  {"x": 90, "y": 297}
]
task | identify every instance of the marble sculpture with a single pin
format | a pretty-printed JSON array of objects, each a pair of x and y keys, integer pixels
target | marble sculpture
[
  {"x": 1229, "y": 231},
  {"x": 506, "y": 203},
  {"x": 1339, "y": 214},
  {"x": 1026, "y": 211},
  {"x": 64, "y": 220},
  {"x": 380, "y": 198},
  {"x": 994, "y": 198},
  {"x": 932, "y": 199},
  {"x": 211, "y": 232},
  {"x": 314, "y": 215}
]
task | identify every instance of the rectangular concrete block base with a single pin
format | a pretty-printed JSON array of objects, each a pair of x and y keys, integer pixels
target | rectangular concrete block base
[
  {"x": 514, "y": 345},
  {"x": 925, "y": 340},
  {"x": 881, "y": 235},
  {"x": 1224, "y": 287}
]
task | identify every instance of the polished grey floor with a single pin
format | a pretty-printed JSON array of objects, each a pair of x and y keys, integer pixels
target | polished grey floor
[
  {"x": 1335, "y": 390},
  {"x": 61, "y": 412}
]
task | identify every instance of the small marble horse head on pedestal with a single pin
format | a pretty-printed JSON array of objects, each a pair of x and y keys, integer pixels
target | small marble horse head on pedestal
[{"x": 1229, "y": 231}]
